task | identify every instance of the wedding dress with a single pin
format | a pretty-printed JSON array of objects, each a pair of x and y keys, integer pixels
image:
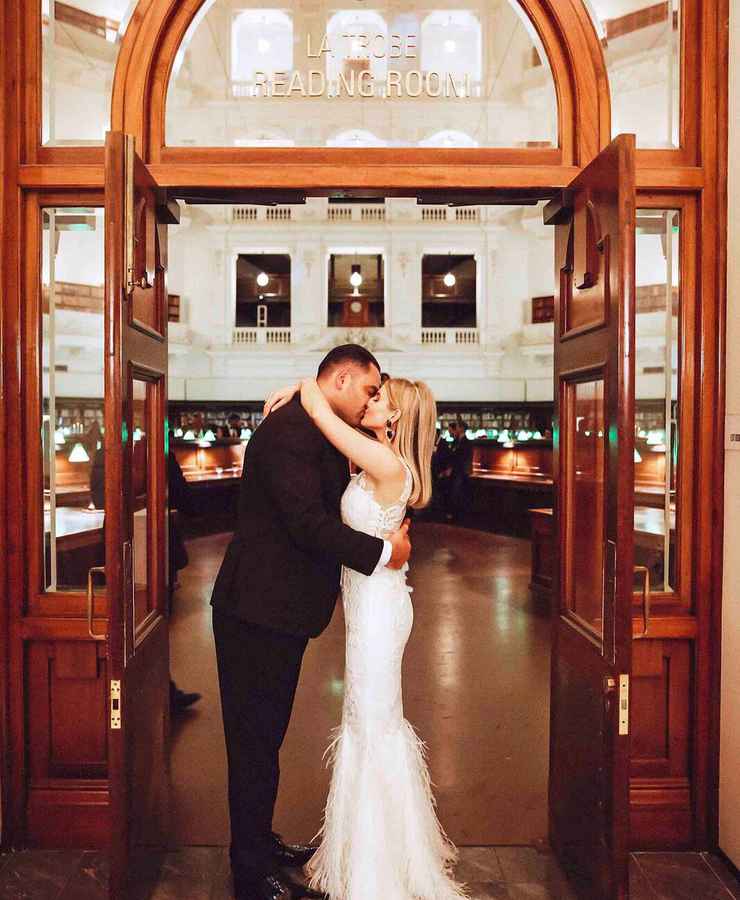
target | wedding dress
[{"x": 381, "y": 839}]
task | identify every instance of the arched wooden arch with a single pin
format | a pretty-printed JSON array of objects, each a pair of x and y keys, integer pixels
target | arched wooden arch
[{"x": 158, "y": 27}]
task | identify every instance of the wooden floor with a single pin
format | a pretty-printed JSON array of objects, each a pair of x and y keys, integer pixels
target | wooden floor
[{"x": 476, "y": 688}]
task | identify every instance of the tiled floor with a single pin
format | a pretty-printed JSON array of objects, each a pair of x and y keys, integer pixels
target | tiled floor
[{"x": 504, "y": 873}]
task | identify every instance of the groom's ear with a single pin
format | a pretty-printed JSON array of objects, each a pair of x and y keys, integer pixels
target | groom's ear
[{"x": 341, "y": 377}]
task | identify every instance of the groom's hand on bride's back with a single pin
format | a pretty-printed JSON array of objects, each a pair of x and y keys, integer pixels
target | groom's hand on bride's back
[{"x": 401, "y": 545}]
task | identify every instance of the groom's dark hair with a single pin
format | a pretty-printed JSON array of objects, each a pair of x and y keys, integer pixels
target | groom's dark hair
[{"x": 347, "y": 353}]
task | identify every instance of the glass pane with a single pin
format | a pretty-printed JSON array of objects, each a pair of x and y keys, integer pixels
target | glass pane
[
  {"x": 641, "y": 41},
  {"x": 394, "y": 75},
  {"x": 356, "y": 290},
  {"x": 656, "y": 390},
  {"x": 585, "y": 445},
  {"x": 140, "y": 495},
  {"x": 72, "y": 423},
  {"x": 80, "y": 44}
]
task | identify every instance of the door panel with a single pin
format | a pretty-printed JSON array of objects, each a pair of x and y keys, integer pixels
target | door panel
[
  {"x": 136, "y": 391},
  {"x": 594, "y": 505}
]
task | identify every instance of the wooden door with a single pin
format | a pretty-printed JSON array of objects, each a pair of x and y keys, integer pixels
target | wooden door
[
  {"x": 594, "y": 501},
  {"x": 135, "y": 486}
]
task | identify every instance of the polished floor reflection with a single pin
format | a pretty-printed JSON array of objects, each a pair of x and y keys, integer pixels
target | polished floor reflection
[
  {"x": 503, "y": 873},
  {"x": 476, "y": 688}
]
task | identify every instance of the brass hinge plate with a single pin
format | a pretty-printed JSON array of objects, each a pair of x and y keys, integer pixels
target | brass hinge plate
[
  {"x": 115, "y": 704},
  {"x": 624, "y": 704}
]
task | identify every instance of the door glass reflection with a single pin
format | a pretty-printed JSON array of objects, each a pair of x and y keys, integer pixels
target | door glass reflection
[
  {"x": 657, "y": 338},
  {"x": 584, "y": 504},
  {"x": 141, "y": 528},
  {"x": 72, "y": 422}
]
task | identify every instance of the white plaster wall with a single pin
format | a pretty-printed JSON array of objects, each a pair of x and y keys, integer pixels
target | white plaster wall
[{"x": 729, "y": 775}]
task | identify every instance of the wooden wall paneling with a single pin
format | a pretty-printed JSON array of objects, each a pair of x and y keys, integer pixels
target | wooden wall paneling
[
  {"x": 719, "y": 176},
  {"x": 660, "y": 720},
  {"x": 13, "y": 561},
  {"x": 714, "y": 156},
  {"x": 6, "y": 179},
  {"x": 708, "y": 471}
]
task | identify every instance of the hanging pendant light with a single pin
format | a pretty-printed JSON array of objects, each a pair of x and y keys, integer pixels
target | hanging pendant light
[
  {"x": 449, "y": 279},
  {"x": 355, "y": 279},
  {"x": 263, "y": 279}
]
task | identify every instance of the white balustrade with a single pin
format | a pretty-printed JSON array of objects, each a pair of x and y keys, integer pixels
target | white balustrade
[
  {"x": 452, "y": 336},
  {"x": 245, "y": 335}
]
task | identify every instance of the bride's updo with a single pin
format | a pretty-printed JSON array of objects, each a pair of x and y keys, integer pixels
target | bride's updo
[{"x": 415, "y": 431}]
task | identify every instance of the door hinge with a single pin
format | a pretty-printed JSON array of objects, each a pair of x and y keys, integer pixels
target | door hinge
[
  {"x": 115, "y": 704},
  {"x": 624, "y": 704}
]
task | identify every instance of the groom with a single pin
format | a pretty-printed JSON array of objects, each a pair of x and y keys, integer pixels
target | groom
[{"x": 277, "y": 588}]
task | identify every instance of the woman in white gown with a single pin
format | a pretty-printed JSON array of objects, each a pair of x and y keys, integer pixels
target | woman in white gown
[{"x": 381, "y": 839}]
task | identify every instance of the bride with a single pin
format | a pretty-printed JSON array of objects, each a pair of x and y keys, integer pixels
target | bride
[{"x": 381, "y": 837}]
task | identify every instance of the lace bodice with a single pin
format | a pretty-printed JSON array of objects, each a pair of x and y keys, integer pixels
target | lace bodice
[{"x": 361, "y": 511}]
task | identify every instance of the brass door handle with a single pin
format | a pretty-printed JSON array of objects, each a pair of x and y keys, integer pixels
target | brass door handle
[
  {"x": 645, "y": 572},
  {"x": 90, "y": 598}
]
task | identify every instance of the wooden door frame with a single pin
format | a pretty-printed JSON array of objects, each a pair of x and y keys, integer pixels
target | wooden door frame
[{"x": 697, "y": 172}]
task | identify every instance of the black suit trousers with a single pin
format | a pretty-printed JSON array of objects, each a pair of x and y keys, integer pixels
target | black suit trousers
[{"x": 258, "y": 671}]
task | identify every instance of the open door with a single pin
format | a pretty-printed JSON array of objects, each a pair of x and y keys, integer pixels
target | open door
[
  {"x": 594, "y": 510},
  {"x": 136, "y": 505}
]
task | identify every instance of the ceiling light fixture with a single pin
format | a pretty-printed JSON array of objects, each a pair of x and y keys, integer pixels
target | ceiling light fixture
[
  {"x": 449, "y": 280},
  {"x": 355, "y": 279},
  {"x": 263, "y": 279}
]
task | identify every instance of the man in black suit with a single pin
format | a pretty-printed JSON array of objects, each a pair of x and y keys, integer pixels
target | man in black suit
[
  {"x": 459, "y": 469},
  {"x": 277, "y": 587}
]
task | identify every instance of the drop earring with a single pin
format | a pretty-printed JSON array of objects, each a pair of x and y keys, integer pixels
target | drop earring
[{"x": 389, "y": 432}]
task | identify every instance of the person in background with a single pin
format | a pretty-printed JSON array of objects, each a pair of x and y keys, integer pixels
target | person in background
[
  {"x": 180, "y": 502},
  {"x": 459, "y": 469},
  {"x": 441, "y": 470},
  {"x": 235, "y": 424}
]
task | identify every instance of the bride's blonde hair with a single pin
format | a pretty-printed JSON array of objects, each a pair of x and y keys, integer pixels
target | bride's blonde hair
[{"x": 415, "y": 432}]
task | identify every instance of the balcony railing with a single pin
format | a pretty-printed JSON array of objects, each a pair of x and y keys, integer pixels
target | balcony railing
[
  {"x": 457, "y": 336},
  {"x": 245, "y": 335}
]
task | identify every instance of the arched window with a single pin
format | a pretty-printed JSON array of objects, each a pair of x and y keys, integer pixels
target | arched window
[
  {"x": 451, "y": 42},
  {"x": 261, "y": 41},
  {"x": 316, "y": 77},
  {"x": 358, "y": 41}
]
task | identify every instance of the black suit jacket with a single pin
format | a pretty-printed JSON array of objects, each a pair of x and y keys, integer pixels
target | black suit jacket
[
  {"x": 462, "y": 458},
  {"x": 282, "y": 567}
]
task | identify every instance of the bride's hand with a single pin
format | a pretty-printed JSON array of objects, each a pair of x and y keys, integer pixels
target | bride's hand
[
  {"x": 280, "y": 398},
  {"x": 312, "y": 398}
]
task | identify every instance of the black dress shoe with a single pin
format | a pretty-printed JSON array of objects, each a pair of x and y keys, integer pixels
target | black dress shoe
[
  {"x": 291, "y": 855},
  {"x": 268, "y": 887},
  {"x": 181, "y": 700},
  {"x": 302, "y": 890}
]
